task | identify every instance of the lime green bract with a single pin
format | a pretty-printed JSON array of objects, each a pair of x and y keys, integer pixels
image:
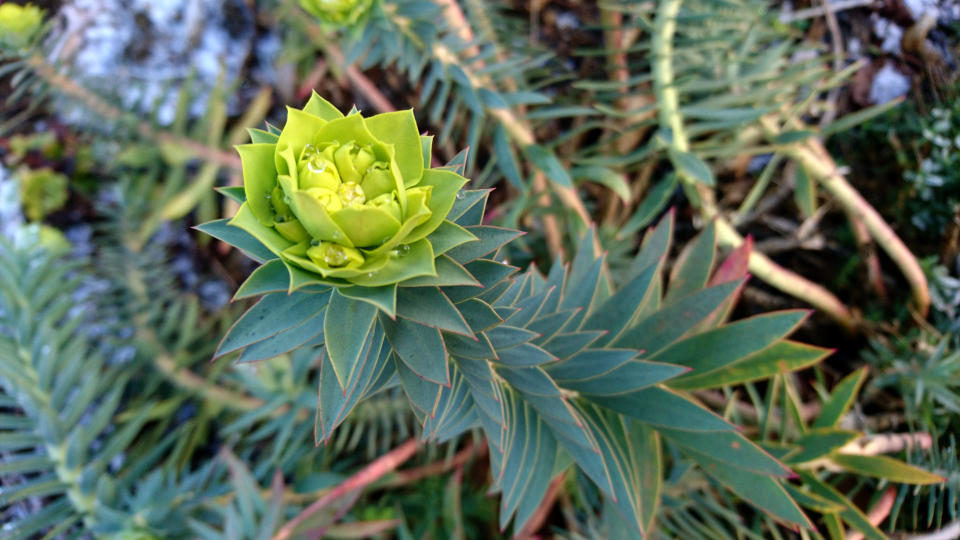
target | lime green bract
[
  {"x": 18, "y": 24},
  {"x": 338, "y": 12},
  {"x": 348, "y": 199}
]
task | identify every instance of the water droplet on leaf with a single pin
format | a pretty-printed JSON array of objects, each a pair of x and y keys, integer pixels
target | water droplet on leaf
[
  {"x": 461, "y": 194},
  {"x": 401, "y": 251},
  {"x": 266, "y": 194},
  {"x": 337, "y": 235},
  {"x": 315, "y": 167}
]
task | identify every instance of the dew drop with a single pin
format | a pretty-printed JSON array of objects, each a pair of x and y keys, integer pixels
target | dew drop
[
  {"x": 461, "y": 194},
  {"x": 371, "y": 274},
  {"x": 266, "y": 194},
  {"x": 314, "y": 242},
  {"x": 505, "y": 261},
  {"x": 401, "y": 251},
  {"x": 315, "y": 167},
  {"x": 337, "y": 235},
  {"x": 309, "y": 151}
]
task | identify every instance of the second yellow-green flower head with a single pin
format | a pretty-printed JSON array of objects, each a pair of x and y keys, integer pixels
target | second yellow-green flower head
[
  {"x": 346, "y": 198},
  {"x": 18, "y": 24}
]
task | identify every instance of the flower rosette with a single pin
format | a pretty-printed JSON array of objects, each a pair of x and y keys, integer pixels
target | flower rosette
[
  {"x": 345, "y": 13},
  {"x": 347, "y": 201},
  {"x": 18, "y": 25}
]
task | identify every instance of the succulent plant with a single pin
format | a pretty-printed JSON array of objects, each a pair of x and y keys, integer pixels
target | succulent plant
[
  {"x": 18, "y": 25},
  {"x": 344, "y": 13},
  {"x": 556, "y": 370}
]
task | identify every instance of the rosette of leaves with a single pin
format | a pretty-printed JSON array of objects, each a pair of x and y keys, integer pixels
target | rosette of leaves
[
  {"x": 18, "y": 25},
  {"x": 557, "y": 370},
  {"x": 341, "y": 13},
  {"x": 347, "y": 201}
]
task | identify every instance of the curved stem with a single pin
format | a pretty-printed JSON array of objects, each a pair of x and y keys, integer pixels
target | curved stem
[
  {"x": 383, "y": 465},
  {"x": 820, "y": 165},
  {"x": 702, "y": 197}
]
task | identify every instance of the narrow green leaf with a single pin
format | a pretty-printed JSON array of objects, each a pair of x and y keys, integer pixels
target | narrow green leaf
[
  {"x": 347, "y": 327},
  {"x": 383, "y": 298},
  {"x": 655, "y": 200},
  {"x": 479, "y": 315},
  {"x": 663, "y": 408},
  {"x": 805, "y": 192},
  {"x": 430, "y": 307},
  {"x": 840, "y": 401},
  {"x": 887, "y": 468},
  {"x": 491, "y": 239},
  {"x": 285, "y": 341},
  {"x": 449, "y": 274},
  {"x": 792, "y": 137},
  {"x": 275, "y": 313},
  {"x": 506, "y": 158},
  {"x": 668, "y": 324},
  {"x": 851, "y": 120},
  {"x": 629, "y": 377},
  {"x": 729, "y": 447},
  {"x": 656, "y": 245},
  {"x": 781, "y": 357},
  {"x": 545, "y": 160},
  {"x": 613, "y": 181},
  {"x": 420, "y": 347},
  {"x": 234, "y": 193},
  {"x": 447, "y": 236},
  {"x": 423, "y": 394},
  {"x": 694, "y": 265},
  {"x": 731, "y": 343},
  {"x": 813, "y": 502},
  {"x": 524, "y": 355},
  {"x": 818, "y": 443},
  {"x": 761, "y": 491},
  {"x": 238, "y": 238},
  {"x": 851, "y": 514},
  {"x": 271, "y": 277},
  {"x": 694, "y": 168}
]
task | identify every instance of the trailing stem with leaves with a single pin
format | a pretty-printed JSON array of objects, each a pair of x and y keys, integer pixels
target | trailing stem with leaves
[{"x": 388, "y": 264}]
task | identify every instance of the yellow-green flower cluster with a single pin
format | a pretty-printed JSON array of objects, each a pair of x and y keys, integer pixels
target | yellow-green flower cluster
[
  {"x": 18, "y": 25},
  {"x": 42, "y": 191},
  {"x": 345, "y": 13},
  {"x": 347, "y": 199}
]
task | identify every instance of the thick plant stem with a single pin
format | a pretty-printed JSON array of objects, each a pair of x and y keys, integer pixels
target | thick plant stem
[
  {"x": 369, "y": 474},
  {"x": 703, "y": 198},
  {"x": 820, "y": 165}
]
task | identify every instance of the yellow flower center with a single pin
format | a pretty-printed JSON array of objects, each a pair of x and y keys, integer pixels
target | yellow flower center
[{"x": 352, "y": 194}]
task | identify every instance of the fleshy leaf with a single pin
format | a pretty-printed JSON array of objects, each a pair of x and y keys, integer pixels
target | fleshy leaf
[
  {"x": 259, "y": 178},
  {"x": 347, "y": 327},
  {"x": 420, "y": 347},
  {"x": 317, "y": 106},
  {"x": 400, "y": 129},
  {"x": 445, "y": 185}
]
